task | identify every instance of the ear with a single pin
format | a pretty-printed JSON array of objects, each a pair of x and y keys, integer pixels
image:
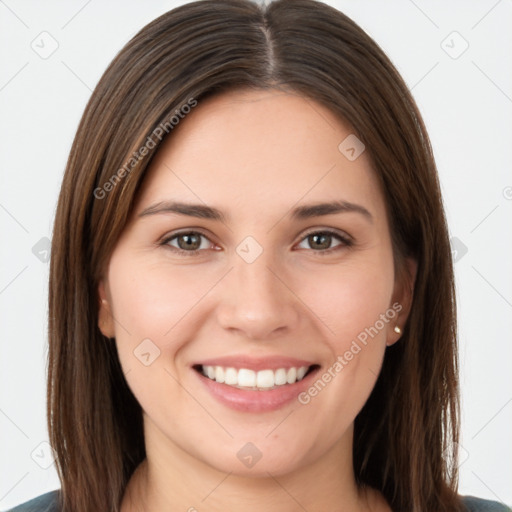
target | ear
[
  {"x": 105, "y": 318},
  {"x": 402, "y": 298}
]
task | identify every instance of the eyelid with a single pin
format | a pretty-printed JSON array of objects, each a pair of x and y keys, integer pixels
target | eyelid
[
  {"x": 346, "y": 241},
  {"x": 164, "y": 241},
  {"x": 343, "y": 235}
]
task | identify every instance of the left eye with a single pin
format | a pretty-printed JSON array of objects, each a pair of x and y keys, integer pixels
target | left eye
[{"x": 321, "y": 241}]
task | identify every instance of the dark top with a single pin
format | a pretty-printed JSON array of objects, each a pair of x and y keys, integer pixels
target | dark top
[{"x": 49, "y": 503}]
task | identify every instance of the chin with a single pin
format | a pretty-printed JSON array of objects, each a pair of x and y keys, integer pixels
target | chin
[{"x": 257, "y": 459}]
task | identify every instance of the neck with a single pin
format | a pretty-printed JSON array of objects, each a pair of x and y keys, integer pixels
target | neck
[{"x": 172, "y": 479}]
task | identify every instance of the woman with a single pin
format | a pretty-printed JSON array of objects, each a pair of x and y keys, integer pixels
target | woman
[{"x": 251, "y": 291}]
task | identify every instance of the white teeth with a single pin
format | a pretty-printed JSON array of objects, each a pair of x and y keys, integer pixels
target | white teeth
[
  {"x": 301, "y": 372},
  {"x": 280, "y": 377},
  {"x": 246, "y": 378},
  {"x": 291, "y": 376},
  {"x": 219, "y": 374},
  {"x": 230, "y": 376},
  {"x": 263, "y": 379}
]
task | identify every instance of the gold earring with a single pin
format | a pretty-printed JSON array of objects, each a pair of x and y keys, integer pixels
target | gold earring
[{"x": 398, "y": 330}]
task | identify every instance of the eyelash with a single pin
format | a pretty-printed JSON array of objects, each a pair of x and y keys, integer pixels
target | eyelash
[{"x": 345, "y": 242}]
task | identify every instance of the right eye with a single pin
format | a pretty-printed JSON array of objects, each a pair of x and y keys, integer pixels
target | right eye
[{"x": 188, "y": 243}]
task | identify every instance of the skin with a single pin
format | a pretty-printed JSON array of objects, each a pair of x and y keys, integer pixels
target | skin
[{"x": 254, "y": 155}]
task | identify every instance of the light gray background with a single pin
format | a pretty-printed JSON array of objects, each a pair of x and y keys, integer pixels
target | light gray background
[{"x": 466, "y": 100}]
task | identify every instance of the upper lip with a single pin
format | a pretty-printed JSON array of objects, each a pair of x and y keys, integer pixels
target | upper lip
[{"x": 255, "y": 363}]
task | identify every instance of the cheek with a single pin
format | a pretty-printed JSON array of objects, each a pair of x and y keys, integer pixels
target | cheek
[
  {"x": 153, "y": 306},
  {"x": 149, "y": 305},
  {"x": 349, "y": 298},
  {"x": 151, "y": 300},
  {"x": 351, "y": 301}
]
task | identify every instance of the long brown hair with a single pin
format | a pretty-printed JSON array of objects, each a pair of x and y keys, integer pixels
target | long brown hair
[{"x": 406, "y": 435}]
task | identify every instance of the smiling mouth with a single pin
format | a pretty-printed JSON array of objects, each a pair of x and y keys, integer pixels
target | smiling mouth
[{"x": 251, "y": 380}]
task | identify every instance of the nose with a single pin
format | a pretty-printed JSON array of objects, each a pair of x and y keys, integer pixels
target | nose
[{"x": 257, "y": 302}]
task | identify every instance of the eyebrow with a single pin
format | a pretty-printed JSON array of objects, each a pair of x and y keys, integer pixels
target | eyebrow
[
  {"x": 300, "y": 213},
  {"x": 193, "y": 210},
  {"x": 319, "y": 209}
]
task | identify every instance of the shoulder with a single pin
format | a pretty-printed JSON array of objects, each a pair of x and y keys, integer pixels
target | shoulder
[
  {"x": 48, "y": 502},
  {"x": 474, "y": 504}
]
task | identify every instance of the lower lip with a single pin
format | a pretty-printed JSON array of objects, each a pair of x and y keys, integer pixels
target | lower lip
[{"x": 256, "y": 401}]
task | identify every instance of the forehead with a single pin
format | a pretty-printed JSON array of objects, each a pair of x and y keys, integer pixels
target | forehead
[{"x": 256, "y": 150}]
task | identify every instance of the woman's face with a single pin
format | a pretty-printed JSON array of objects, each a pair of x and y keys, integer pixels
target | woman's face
[{"x": 230, "y": 267}]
